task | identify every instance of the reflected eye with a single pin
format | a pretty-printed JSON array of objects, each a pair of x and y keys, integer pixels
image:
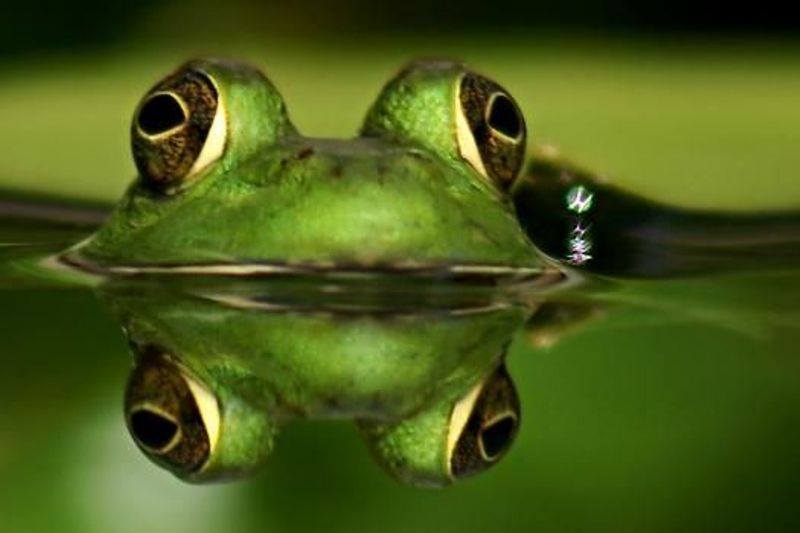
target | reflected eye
[
  {"x": 157, "y": 431},
  {"x": 496, "y": 436},
  {"x": 484, "y": 424},
  {"x": 171, "y": 416},
  {"x": 491, "y": 129},
  {"x": 178, "y": 129}
]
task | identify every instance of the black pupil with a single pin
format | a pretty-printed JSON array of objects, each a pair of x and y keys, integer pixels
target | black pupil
[
  {"x": 152, "y": 429},
  {"x": 161, "y": 113},
  {"x": 503, "y": 116},
  {"x": 497, "y": 437}
]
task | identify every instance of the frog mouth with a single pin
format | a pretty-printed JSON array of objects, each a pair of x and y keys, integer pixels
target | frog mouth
[{"x": 473, "y": 273}]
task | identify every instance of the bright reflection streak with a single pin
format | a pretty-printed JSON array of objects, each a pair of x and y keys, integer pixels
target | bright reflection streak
[{"x": 579, "y": 200}]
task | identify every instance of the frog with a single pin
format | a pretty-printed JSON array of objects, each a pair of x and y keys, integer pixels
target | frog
[
  {"x": 437, "y": 188},
  {"x": 228, "y": 186}
]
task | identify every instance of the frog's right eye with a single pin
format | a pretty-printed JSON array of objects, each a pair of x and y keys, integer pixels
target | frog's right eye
[
  {"x": 178, "y": 129},
  {"x": 458, "y": 114}
]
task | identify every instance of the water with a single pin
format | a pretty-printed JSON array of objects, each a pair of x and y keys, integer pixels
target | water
[{"x": 645, "y": 405}]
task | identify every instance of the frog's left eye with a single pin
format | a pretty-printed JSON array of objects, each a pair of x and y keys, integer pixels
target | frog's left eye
[
  {"x": 178, "y": 129},
  {"x": 490, "y": 128},
  {"x": 172, "y": 417}
]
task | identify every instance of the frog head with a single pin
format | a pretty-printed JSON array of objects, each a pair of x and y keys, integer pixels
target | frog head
[{"x": 226, "y": 184}]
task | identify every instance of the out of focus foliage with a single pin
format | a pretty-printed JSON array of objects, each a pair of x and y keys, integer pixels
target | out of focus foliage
[{"x": 46, "y": 25}]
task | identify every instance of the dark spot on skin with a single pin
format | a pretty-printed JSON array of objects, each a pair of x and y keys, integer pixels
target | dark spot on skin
[
  {"x": 382, "y": 169},
  {"x": 338, "y": 170},
  {"x": 333, "y": 403},
  {"x": 304, "y": 153}
]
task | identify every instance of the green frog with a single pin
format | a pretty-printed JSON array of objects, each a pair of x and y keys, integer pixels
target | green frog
[
  {"x": 431, "y": 193},
  {"x": 228, "y": 186}
]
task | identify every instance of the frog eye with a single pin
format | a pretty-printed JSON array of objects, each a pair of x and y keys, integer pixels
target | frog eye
[
  {"x": 178, "y": 129},
  {"x": 172, "y": 417},
  {"x": 490, "y": 129},
  {"x": 483, "y": 425},
  {"x": 453, "y": 437}
]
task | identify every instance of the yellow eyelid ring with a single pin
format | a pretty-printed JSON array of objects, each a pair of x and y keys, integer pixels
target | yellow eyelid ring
[
  {"x": 215, "y": 143},
  {"x": 460, "y": 416},
  {"x": 467, "y": 145}
]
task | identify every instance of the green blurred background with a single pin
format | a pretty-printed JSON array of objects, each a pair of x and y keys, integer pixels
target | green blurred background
[{"x": 647, "y": 422}]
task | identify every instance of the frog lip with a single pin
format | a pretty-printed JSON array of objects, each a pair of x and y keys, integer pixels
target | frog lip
[{"x": 482, "y": 273}]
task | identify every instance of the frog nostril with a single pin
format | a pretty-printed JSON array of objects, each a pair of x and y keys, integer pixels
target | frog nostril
[
  {"x": 160, "y": 113},
  {"x": 504, "y": 117},
  {"x": 153, "y": 430}
]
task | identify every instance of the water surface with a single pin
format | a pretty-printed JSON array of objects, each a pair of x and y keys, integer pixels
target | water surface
[{"x": 674, "y": 395}]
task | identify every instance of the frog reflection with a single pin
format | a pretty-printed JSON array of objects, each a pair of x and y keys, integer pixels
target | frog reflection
[{"x": 214, "y": 382}]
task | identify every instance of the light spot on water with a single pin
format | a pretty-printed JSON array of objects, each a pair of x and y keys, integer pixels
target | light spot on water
[{"x": 579, "y": 199}]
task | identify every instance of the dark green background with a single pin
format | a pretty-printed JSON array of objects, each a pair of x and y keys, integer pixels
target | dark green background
[{"x": 682, "y": 419}]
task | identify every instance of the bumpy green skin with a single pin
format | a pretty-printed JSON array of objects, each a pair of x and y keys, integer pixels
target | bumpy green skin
[
  {"x": 399, "y": 195},
  {"x": 319, "y": 365},
  {"x": 247, "y": 432},
  {"x": 269, "y": 368},
  {"x": 418, "y": 106},
  {"x": 414, "y": 450}
]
